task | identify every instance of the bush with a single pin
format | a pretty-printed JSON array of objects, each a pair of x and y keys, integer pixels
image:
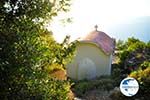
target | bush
[
  {"x": 116, "y": 74},
  {"x": 133, "y": 55},
  {"x": 134, "y": 62},
  {"x": 143, "y": 77},
  {"x": 144, "y": 65},
  {"x": 101, "y": 83}
]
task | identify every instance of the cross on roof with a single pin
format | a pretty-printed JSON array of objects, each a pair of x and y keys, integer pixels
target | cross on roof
[{"x": 96, "y": 27}]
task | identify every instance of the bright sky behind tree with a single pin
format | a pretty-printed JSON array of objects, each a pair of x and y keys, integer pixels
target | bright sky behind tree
[{"x": 105, "y": 13}]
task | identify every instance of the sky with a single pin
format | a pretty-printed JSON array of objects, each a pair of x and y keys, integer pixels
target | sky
[{"x": 120, "y": 19}]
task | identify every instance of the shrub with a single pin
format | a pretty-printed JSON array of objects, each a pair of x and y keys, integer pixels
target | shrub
[
  {"x": 101, "y": 83},
  {"x": 116, "y": 74},
  {"x": 144, "y": 65},
  {"x": 53, "y": 68},
  {"x": 143, "y": 76}
]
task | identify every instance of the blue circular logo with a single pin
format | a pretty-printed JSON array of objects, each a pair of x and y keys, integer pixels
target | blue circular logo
[{"x": 129, "y": 86}]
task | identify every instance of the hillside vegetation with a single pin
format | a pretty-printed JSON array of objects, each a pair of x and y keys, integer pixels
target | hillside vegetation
[{"x": 134, "y": 61}]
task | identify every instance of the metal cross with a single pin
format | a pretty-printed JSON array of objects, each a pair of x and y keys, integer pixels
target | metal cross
[{"x": 96, "y": 27}]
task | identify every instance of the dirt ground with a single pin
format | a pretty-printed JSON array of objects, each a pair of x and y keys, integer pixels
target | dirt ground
[{"x": 95, "y": 95}]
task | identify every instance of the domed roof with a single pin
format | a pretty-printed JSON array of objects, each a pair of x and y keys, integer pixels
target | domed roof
[{"x": 101, "y": 39}]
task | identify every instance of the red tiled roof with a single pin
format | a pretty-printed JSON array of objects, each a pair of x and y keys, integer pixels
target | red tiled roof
[{"x": 102, "y": 40}]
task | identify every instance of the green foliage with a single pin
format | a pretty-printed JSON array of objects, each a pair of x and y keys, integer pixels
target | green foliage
[
  {"x": 120, "y": 45},
  {"x": 133, "y": 53},
  {"x": 145, "y": 64},
  {"x": 131, "y": 41},
  {"x": 65, "y": 52},
  {"x": 130, "y": 45},
  {"x": 24, "y": 51},
  {"x": 81, "y": 88},
  {"x": 136, "y": 45},
  {"x": 143, "y": 76},
  {"x": 54, "y": 67},
  {"x": 148, "y": 44},
  {"x": 134, "y": 62},
  {"x": 116, "y": 74},
  {"x": 59, "y": 53},
  {"x": 55, "y": 90},
  {"x": 102, "y": 83},
  {"x": 123, "y": 55}
]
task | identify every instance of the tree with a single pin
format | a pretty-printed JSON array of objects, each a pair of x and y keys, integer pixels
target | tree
[
  {"x": 131, "y": 41},
  {"x": 23, "y": 51},
  {"x": 120, "y": 45}
]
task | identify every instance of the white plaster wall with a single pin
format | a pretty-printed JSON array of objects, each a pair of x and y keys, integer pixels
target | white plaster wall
[{"x": 101, "y": 61}]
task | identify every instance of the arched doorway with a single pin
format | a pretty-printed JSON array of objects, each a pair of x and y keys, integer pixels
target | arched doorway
[{"x": 86, "y": 69}]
